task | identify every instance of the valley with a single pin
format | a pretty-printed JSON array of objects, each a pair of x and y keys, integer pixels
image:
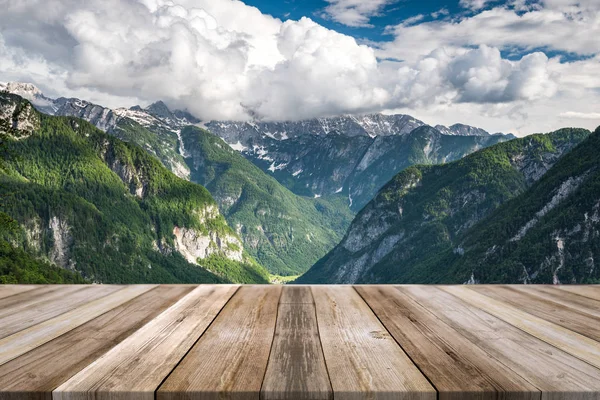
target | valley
[{"x": 350, "y": 199}]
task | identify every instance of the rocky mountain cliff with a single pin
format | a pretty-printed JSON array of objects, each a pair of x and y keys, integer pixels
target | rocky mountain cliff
[
  {"x": 425, "y": 210},
  {"x": 549, "y": 234},
  {"x": 62, "y": 176}
]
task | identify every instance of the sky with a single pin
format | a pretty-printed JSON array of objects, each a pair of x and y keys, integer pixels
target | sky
[{"x": 518, "y": 66}]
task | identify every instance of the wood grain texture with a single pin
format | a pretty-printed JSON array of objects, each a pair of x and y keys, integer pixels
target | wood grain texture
[
  {"x": 590, "y": 291},
  {"x": 135, "y": 368},
  {"x": 563, "y": 297},
  {"x": 296, "y": 368},
  {"x": 47, "y": 307},
  {"x": 455, "y": 366},
  {"x": 113, "y": 342},
  {"x": 565, "y": 339},
  {"x": 35, "y": 374},
  {"x": 296, "y": 295},
  {"x": 363, "y": 360},
  {"x": 10, "y": 290},
  {"x": 556, "y": 373},
  {"x": 14, "y": 304},
  {"x": 230, "y": 359},
  {"x": 542, "y": 307},
  {"x": 28, "y": 339}
]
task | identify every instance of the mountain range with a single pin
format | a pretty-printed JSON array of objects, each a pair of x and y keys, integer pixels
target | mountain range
[
  {"x": 293, "y": 195},
  {"x": 524, "y": 211},
  {"x": 282, "y": 198}
]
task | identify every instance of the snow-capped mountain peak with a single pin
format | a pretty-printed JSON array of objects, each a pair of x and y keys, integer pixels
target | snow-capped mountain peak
[{"x": 32, "y": 93}]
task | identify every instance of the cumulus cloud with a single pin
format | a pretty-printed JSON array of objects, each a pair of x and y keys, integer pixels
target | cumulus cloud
[
  {"x": 580, "y": 115},
  {"x": 222, "y": 59},
  {"x": 557, "y": 25},
  {"x": 473, "y": 4},
  {"x": 355, "y": 13}
]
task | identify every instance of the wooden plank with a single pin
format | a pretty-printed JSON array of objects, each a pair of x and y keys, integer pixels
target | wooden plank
[
  {"x": 21, "y": 342},
  {"x": 10, "y": 290},
  {"x": 565, "y": 339},
  {"x": 137, "y": 366},
  {"x": 14, "y": 304},
  {"x": 363, "y": 360},
  {"x": 35, "y": 374},
  {"x": 556, "y": 373},
  {"x": 296, "y": 294},
  {"x": 61, "y": 302},
  {"x": 591, "y": 291},
  {"x": 296, "y": 368},
  {"x": 563, "y": 297},
  {"x": 230, "y": 359},
  {"x": 455, "y": 366},
  {"x": 542, "y": 307}
]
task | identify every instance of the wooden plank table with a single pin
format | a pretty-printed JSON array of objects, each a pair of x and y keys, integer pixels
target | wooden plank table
[{"x": 299, "y": 342}]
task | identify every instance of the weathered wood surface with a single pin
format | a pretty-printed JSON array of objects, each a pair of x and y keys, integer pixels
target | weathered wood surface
[
  {"x": 230, "y": 359},
  {"x": 565, "y": 339},
  {"x": 28, "y": 339},
  {"x": 40, "y": 371},
  {"x": 15, "y": 319},
  {"x": 11, "y": 290},
  {"x": 296, "y": 368},
  {"x": 361, "y": 356},
  {"x": 455, "y": 366},
  {"x": 138, "y": 365},
  {"x": 299, "y": 342}
]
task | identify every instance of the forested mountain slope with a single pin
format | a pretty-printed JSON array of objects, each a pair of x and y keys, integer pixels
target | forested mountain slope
[
  {"x": 106, "y": 209},
  {"x": 424, "y": 211}
]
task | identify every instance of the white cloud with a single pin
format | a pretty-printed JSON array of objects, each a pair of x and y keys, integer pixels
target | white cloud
[
  {"x": 355, "y": 13},
  {"x": 558, "y": 26},
  {"x": 473, "y": 4},
  {"x": 222, "y": 59},
  {"x": 580, "y": 115}
]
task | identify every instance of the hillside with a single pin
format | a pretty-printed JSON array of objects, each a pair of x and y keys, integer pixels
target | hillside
[
  {"x": 423, "y": 210},
  {"x": 283, "y": 231},
  {"x": 549, "y": 234},
  {"x": 93, "y": 204}
]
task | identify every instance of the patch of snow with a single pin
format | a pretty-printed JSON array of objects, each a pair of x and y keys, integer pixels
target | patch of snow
[
  {"x": 340, "y": 189},
  {"x": 317, "y": 196},
  {"x": 296, "y": 173},
  {"x": 237, "y": 146},
  {"x": 181, "y": 146},
  {"x": 275, "y": 167}
]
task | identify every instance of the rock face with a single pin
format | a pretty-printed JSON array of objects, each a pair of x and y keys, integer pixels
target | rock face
[
  {"x": 193, "y": 245},
  {"x": 424, "y": 211},
  {"x": 60, "y": 253},
  {"x": 18, "y": 118},
  {"x": 370, "y": 125}
]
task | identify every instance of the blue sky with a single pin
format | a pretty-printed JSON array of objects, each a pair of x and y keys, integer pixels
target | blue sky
[
  {"x": 519, "y": 66},
  {"x": 394, "y": 13},
  {"x": 391, "y": 14}
]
